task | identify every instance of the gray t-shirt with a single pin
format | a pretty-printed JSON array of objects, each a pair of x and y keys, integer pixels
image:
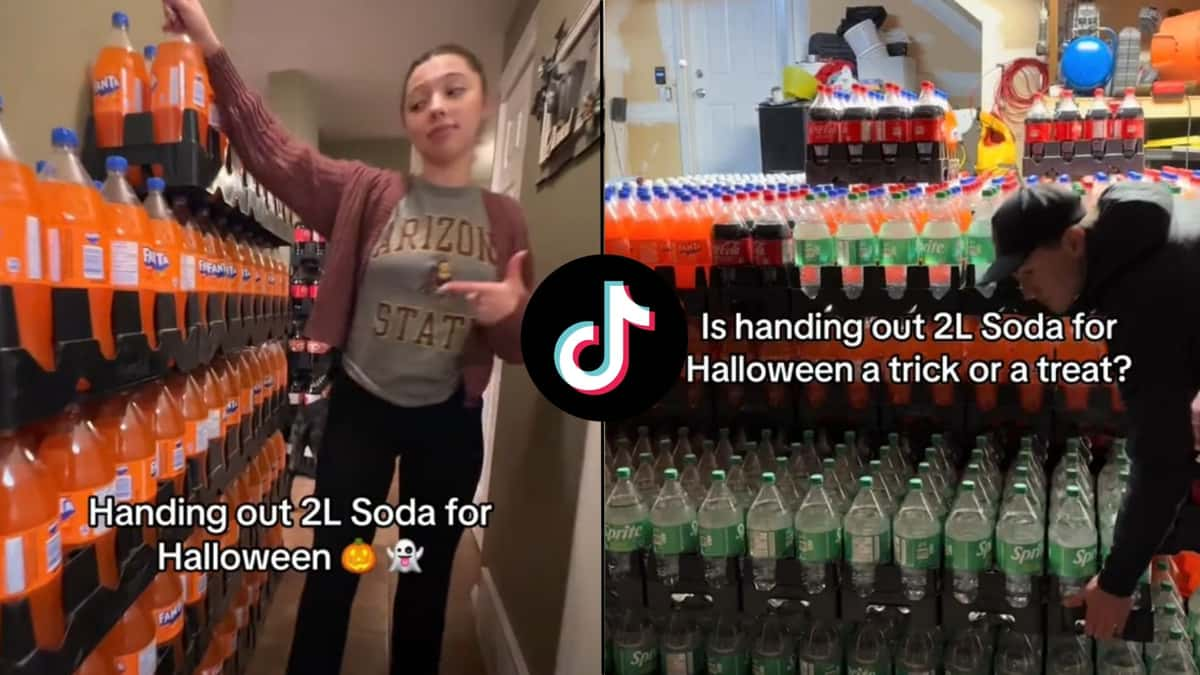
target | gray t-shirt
[{"x": 405, "y": 340}]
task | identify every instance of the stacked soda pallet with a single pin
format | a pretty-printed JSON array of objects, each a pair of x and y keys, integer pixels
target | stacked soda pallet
[
  {"x": 844, "y": 539},
  {"x": 309, "y": 360}
]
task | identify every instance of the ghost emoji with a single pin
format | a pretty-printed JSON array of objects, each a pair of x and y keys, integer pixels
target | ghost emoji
[{"x": 405, "y": 557}]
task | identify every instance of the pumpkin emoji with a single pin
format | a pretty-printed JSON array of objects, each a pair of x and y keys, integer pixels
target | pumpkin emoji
[{"x": 358, "y": 558}]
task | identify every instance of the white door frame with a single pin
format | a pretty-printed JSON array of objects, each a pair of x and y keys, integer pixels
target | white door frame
[
  {"x": 522, "y": 60},
  {"x": 789, "y": 23}
]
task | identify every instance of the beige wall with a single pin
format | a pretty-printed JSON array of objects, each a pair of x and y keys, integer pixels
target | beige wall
[
  {"x": 46, "y": 51},
  {"x": 538, "y": 463},
  {"x": 387, "y": 153}
]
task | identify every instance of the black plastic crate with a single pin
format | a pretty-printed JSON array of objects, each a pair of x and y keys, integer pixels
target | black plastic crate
[
  {"x": 992, "y": 604},
  {"x": 889, "y": 594},
  {"x": 1139, "y": 627},
  {"x": 660, "y": 596},
  {"x": 790, "y": 592},
  {"x": 627, "y": 593}
]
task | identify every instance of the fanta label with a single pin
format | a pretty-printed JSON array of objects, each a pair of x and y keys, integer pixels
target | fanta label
[
  {"x": 156, "y": 261},
  {"x": 172, "y": 458},
  {"x": 135, "y": 481},
  {"x": 29, "y": 560},
  {"x": 106, "y": 86},
  {"x": 170, "y": 622},
  {"x": 73, "y": 514}
]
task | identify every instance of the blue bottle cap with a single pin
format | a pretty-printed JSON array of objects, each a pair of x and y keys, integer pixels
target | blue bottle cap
[
  {"x": 155, "y": 184},
  {"x": 99, "y": 185},
  {"x": 685, "y": 198},
  {"x": 624, "y": 193},
  {"x": 150, "y": 51},
  {"x": 1031, "y": 180},
  {"x": 63, "y": 136},
  {"x": 120, "y": 20},
  {"x": 116, "y": 163},
  {"x": 1064, "y": 179},
  {"x": 40, "y": 166}
]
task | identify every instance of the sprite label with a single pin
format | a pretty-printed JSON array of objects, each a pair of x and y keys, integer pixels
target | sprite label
[
  {"x": 979, "y": 250},
  {"x": 810, "y": 668},
  {"x": 969, "y": 556},
  {"x": 628, "y": 537},
  {"x": 766, "y": 544},
  {"x": 858, "y": 251},
  {"x": 774, "y": 666},
  {"x": 1019, "y": 558},
  {"x": 1072, "y": 561},
  {"x": 939, "y": 251},
  {"x": 683, "y": 663},
  {"x": 816, "y": 251},
  {"x": 868, "y": 669},
  {"x": 723, "y": 542},
  {"x": 728, "y": 664},
  {"x": 637, "y": 660},
  {"x": 919, "y": 552},
  {"x": 819, "y": 547},
  {"x": 675, "y": 539},
  {"x": 899, "y": 251},
  {"x": 868, "y": 548}
]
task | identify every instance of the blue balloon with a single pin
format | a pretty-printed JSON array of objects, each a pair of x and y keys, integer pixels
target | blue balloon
[{"x": 1087, "y": 62}]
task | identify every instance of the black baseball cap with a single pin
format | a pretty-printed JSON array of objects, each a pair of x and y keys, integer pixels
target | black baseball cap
[{"x": 1032, "y": 217}]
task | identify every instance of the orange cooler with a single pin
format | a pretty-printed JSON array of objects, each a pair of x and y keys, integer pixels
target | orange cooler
[{"x": 29, "y": 523}]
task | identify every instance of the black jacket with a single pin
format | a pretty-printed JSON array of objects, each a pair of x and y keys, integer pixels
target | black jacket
[{"x": 1143, "y": 269}]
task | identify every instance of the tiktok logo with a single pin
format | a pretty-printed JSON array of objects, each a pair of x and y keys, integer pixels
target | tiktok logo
[
  {"x": 620, "y": 312},
  {"x": 604, "y": 338}
]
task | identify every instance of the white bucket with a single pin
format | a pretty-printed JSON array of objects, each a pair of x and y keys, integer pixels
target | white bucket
[{"x": 862, "y": 36}]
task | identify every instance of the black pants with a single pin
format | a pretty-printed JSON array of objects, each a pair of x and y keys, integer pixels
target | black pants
[{"x": 441, "y": 451}]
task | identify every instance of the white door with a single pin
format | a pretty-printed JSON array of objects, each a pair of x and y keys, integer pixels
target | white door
[
  {"x": 734, "y": 53},
  {"x": 512, "y": 123}
]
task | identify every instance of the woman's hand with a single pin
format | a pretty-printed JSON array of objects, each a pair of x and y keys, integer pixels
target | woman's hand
[
  {"x": 187, "y": 17},
  {"x": 494, "y": 301}
]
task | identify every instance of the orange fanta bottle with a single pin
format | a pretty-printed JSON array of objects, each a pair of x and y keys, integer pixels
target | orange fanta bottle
[
  {"x": 213, "y": 662},
  {"x": 168, "y": 249},
  {"x": 214, "y": 404},
  {"x": 124, "y": 427},
  {"x": 77, "y": 234},
  {"x": 165, "y": 597},
  {"x": 190, "y": 255},
  {"x": 231, "y": 420},
  {"x": 246, "y": 282},
  {"x": 181, "y": 83},
  {"x": 129, "y": 238},
  {"x": 29, "y": 525},
  {"x": 166, "y": 420},
  {"x": 83, "y": 467},
  {"x": 130, "y": 643},
  {"x": 244, "y": 376},
  {"x": 210, "y": 273},
  {"x": 21, "y": 249},
  {"x": 119, "y": 83},
  {"x": 186, "y": 391},
  {"x": 233, "y": 281}
]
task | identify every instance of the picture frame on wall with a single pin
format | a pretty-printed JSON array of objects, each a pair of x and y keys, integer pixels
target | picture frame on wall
[{"x": 570, "y": 115}]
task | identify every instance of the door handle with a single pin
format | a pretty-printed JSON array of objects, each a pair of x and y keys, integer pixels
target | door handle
[{"x": 701, "y": 92}]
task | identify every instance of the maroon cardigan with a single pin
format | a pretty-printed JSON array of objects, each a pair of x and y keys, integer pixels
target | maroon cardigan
[{"x": 350, "y": 202}]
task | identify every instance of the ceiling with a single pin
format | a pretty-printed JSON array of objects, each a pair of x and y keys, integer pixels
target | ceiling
[{"x": 357, "y": 51}]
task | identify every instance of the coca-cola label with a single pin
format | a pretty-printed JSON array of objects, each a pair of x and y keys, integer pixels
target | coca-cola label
[
  {"x": 929, "y": 131},
  {"x": 1094, "y": 129},
  {"x": 1067, "y": 130},
  {"x": 1037, "y": 132},
  {"x": 822, "y": 132},
  {"x": 1133, "y": 129},
  {"x": 856, "y": 132},
  {"x": 769, "y": 252},
  {"x": 731, "y": 252},
  {"x": 895, "y": 131}
]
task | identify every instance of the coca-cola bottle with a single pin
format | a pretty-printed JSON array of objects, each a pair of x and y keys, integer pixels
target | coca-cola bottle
[
  {"x": 299, "y": 288},
  {"x": 1039, "y": 130},
  {"x": 927, "y": 118},
  {"x": 856, "y": 124},
  {"x": 732, "y": 245},
  {"x": 1131, "y": 124},
  {"x": 1068, "y": 125},
  {"x": 823, "y": 126},
  {"x": 1098, "y": 128},
  {"x": 893, "y": 125}
]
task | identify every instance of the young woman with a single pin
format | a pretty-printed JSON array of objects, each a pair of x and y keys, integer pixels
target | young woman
[{"x": 425, "y": 281}]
